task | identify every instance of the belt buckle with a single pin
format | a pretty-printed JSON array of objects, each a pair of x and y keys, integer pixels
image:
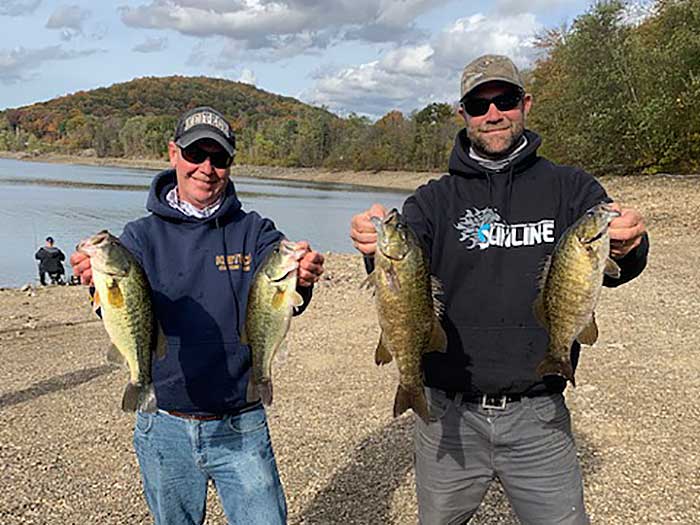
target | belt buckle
[{"x": 494, "y": 402}]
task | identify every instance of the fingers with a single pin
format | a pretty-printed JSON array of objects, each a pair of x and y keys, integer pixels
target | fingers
[
  {"x": 310, "y": 267},
  {"x": 362, "y": 231},
  {"x": 81, "y": 267},
  {"x": 625, "y": 231}
]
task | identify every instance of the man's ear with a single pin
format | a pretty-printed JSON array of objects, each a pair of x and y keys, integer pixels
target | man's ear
[
  {"x": 527, "y": 103},
  {"x": 173, "y": 153},
  {"x": 460, "y": 111}
]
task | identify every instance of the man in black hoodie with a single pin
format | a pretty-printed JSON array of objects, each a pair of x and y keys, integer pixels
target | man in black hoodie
[
  {"x": 50, "y": 261},
  {"x": 486, "y": 227}
]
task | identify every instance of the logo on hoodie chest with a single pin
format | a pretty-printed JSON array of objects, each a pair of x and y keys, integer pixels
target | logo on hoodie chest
[
  {"x": 484, "y": 228},
  {"x": 234, "y": 261}
]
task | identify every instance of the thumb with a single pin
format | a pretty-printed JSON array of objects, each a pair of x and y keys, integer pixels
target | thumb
[{"x": 377, "y": 210}]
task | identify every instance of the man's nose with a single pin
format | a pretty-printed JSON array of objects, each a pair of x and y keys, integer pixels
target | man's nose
[
  {"x": 205, "y": 166},
  {"x": 493, "y": 113}
]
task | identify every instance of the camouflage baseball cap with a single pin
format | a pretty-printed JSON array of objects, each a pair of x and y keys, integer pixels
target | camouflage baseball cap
[{"x": 488, "y": 68}]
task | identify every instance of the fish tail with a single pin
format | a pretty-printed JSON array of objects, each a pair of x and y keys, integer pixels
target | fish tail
[
  {"x": 411, "y": 398},
  {"x": 551, "y": 366},
  {"x": 140, "y": 397},
  {"x": 259, "y": 391}
]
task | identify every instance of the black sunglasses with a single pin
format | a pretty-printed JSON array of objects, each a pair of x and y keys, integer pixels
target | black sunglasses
[
  {"x": 196, "y": 155},
  {"x": 477, "y": 107}
]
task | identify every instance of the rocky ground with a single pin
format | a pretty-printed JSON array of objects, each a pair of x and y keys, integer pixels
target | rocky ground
[{"x": 65, "y": 446}]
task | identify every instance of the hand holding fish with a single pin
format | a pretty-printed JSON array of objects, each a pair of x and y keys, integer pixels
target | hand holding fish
[
  {"x": 625, "y": 231},
  {"x": 82, "y": 267},
  {"x": 363, "y": 232},
  {"x": 310, "y": 265}
]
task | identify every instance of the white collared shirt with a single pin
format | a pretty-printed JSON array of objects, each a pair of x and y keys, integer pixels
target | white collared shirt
[{"x": 190, "y": 210}]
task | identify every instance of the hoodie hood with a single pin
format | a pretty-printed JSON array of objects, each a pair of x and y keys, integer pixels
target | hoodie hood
[
  {"x": 499, "y": 183},
  {"x": 462, "y": 164},
  {"x": 166, "y": 181}
]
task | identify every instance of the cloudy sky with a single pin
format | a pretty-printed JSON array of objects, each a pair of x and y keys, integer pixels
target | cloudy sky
[{"x": 362, "y": 56}]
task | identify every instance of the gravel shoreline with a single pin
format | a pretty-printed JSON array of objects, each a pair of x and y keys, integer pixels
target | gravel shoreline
[{"x": 65, "y": 446}]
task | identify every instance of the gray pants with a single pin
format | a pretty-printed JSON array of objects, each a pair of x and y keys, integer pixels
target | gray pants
[{"x": 528, "y": 446}]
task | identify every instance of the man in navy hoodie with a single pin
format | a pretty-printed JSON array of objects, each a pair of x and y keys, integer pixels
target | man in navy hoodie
[
  {"x": 200, "y": 250},
  {"x": 486, "y": 227}
]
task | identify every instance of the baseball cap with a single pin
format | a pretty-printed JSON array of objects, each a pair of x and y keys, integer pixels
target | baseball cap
[
  {"x": 488, "y": 68},
  {"x": 204, "y": 122}
]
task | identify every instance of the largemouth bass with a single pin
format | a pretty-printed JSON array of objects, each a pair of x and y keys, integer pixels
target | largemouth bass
[
  {"x": 407, "y": 310},
  {"x": 570, "y": 287},
  {"x": 123, "y": 296},
  {"x": 271, "y": 301}
]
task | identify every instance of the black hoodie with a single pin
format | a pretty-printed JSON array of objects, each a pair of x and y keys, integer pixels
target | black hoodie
[{"x": 487, "y": 234}]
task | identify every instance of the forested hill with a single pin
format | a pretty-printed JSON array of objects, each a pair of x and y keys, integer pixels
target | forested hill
[
  {"x": 611, "y": 95},
  {"x": 114, "y": 120}
]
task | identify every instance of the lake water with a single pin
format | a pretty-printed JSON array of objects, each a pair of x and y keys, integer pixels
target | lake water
[{"x": 70, "y": 202}]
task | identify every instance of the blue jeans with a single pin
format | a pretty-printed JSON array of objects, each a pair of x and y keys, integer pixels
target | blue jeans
[{"x": 178, "y": 456}]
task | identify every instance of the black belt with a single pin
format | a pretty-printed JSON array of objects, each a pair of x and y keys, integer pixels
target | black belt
[
  {"x": 495, "y": 401},
  {"x": 212, "y": 417}
]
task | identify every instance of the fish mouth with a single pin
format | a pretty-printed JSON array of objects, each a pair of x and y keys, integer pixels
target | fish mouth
[{"x": 284, "y": 275}]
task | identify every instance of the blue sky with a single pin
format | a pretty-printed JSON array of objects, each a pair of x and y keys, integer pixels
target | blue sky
[{"x": 362, "y": 56}]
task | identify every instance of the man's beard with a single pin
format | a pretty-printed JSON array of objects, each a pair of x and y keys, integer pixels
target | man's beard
[{"x": 483, "y": 148}]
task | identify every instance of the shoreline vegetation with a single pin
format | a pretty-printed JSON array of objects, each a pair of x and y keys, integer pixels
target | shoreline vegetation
[{"x": 388, "y": 180}]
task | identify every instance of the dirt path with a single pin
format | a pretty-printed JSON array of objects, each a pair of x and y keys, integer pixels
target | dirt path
[{"x": 65, "y": 447}]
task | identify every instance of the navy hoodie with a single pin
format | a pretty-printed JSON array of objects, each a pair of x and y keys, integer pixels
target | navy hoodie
[
  {"x": 200, "y": 271},
  {"x": 487, "y": 234}
]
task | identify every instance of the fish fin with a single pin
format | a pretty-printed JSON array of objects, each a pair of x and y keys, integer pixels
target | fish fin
[
  {"x": 251, "y": 393},
  {"x": 438, "y": 338},
  {"x": 95, "y": 302},
  {"x": 415, "y": 399},
  {"x": 538, "y": 311},
  {"x": 278, "y": 299},
  {"x": 437, "y": 289},
  {"x": 382, "y": 356},
  {"x": 160, "y": 343},
  {"x": 139, "y": 397},
  {"x": 297, "y": 299},
  {"x": 556, "y": 367},
  {"x": 589, "y": 334},
  {"x": 281, "y": 353},
  {"x": 392, "y": 279},
  {"x": 611, "y": 269},
  {"x": 147, "y": 399},
  {"x": 114, "y": 356},
  {"x": 115, "y": 297},
  {"x": 259, "y": 391},
  {"x": 369, "y": 281},
  {"x": 544, "y": 271}
]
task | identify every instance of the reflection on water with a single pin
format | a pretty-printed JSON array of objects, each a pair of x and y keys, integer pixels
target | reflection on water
[{"x": 71, "y": 202}]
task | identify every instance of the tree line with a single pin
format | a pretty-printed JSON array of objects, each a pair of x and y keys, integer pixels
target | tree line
[{"x": 612, "y": 94}]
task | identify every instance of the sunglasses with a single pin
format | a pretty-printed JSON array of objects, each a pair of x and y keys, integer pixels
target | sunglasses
[
  {"x": 196, "y": 155},
  {"x": 477, "y": 107}
]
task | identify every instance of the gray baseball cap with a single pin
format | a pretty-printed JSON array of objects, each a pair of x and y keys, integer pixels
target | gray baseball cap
[
  {"x": 204, "y": 122},
  {"x": 488, "y": 68}
]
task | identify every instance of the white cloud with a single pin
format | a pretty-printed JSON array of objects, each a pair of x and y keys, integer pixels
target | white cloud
[
  {"x": 152, "y": 44},
  {"x": 282, "y": 28},
  {"x": 18, "y": 7},
  {"x": 409, "y": 78},
  {"x": 514, "y": 7},
  {"x": 247, "y": 77},
  {"x": 17, "y": 64},
  {"x": 68, "y": 17}
]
